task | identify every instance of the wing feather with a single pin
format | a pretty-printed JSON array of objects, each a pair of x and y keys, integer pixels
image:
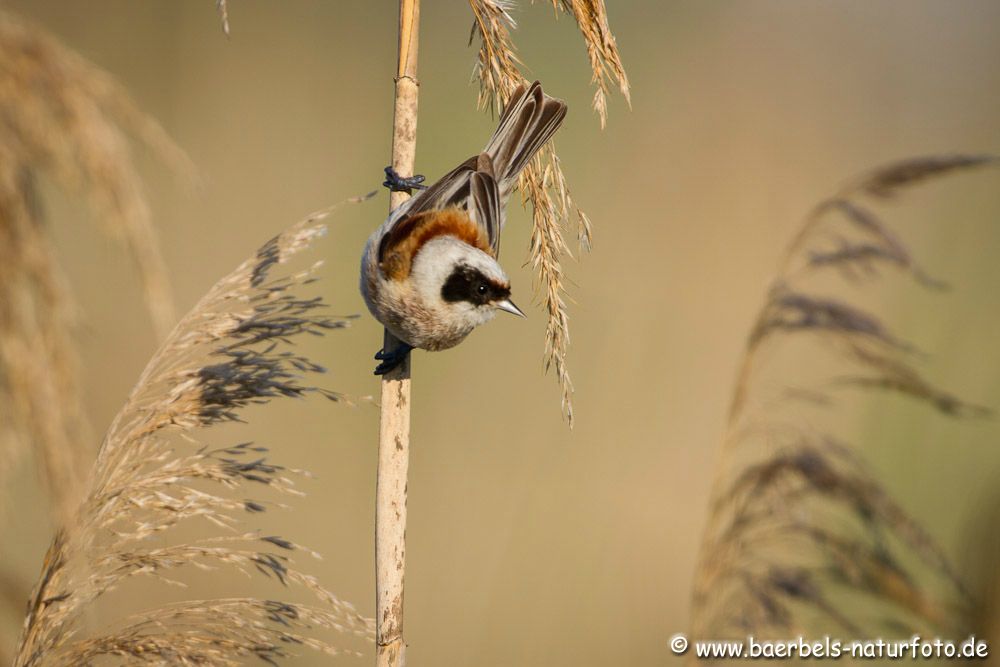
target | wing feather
[
  {"x": 484, "y": 207},
  {"x": 470, "y": 187},
  {"x": 481, "y": 185}
]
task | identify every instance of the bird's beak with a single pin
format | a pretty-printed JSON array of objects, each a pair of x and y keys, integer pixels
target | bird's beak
[{"x": 508, "y": 306}]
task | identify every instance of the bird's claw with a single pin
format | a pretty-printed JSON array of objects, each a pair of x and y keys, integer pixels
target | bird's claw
[
  {"x": 407, "y": 184},
  {"x": 391, "y": 359}
]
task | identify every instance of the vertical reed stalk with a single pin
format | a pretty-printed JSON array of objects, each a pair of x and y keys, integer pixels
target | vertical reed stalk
[{"x": 394, "y": 427}]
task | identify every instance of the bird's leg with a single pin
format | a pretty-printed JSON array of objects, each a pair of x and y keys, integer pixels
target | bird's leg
[
  {"x": 391, "y": 358},
  {"x": 397, "y": 183}
]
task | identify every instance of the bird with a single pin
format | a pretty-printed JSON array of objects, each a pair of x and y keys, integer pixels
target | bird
[{"x": 430, "y": 272}]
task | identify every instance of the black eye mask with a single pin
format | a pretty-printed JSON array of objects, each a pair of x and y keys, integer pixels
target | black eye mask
[{"x": 468, "y": 284}]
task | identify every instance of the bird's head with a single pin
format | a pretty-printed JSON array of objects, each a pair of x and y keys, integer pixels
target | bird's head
[{"x": 463, "y": 285}]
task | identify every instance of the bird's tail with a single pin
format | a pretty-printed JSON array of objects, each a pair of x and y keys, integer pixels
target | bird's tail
[{"x": 529, "y": 120}]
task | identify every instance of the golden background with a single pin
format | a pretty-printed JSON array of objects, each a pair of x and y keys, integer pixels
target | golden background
[{"x": 528, "y": 543}]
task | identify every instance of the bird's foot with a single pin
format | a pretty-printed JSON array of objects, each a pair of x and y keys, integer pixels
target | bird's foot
[
  {"x": 391, "y": 359},
  {"x": 407, "y": 184}
]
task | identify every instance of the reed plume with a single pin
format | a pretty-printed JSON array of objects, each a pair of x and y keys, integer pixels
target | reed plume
[
  {"x": 64, "y": 120},
  {"x": 157, "y": 474},
  {"x": 803, "y": 538},
  {"x": 543, "y": 183}
]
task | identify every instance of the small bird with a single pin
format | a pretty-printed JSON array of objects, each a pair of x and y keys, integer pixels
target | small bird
[{"x": 429, "y": 273}]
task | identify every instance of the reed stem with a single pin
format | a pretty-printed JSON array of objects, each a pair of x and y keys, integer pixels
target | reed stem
[{"x": 394, "y": 427}]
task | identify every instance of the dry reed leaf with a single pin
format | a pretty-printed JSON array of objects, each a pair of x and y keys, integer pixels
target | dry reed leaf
[
  {"x": 802, "y": 537},
  {"x": 543, "y": 183},
  {"x": 65, "y": 120},
  {"x": 223, "y": 7},
  {"x": 155, "y": 472}
]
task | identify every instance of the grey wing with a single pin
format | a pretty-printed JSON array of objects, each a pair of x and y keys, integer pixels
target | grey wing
[
  {"x": 484, "y": 207},
  {"x": 449, "y": 190},
  {"x": 481, "y": 184},
  {"x": 469, "y": 186}
]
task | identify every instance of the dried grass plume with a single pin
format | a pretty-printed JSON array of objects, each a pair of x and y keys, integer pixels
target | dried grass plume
[
  {"x": 802, "y": 537},
  {"x": 543, "y": 183},
  {"x": 64, "y": 120},
  {"x": 157, "y": 473}
]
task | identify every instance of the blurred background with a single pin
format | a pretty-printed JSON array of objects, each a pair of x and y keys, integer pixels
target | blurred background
[{"x": 529, "y": 543}]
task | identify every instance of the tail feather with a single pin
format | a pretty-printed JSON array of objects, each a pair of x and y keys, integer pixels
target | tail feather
[{"x": 530, "y": 119}]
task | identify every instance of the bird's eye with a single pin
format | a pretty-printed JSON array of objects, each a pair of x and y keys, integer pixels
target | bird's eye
[{"x": 482, "y": 289}]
